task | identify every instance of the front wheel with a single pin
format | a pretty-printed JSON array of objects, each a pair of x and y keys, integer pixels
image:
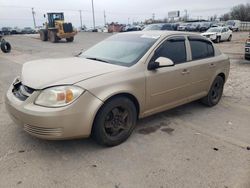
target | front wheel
[
  {"x": 217, "y": 40},
  {"x": 115, "y": 121},
  {"x": 229, "y": 38},
  {"x": 214, "y": 95}
]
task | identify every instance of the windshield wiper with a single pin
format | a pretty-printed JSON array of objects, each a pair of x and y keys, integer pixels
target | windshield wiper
[{"x": 97, "y": 59}]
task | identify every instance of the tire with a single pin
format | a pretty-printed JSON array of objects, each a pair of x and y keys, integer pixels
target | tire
[
  {"x": 53, "y": 37},
  {"x": 230, "y": 38},
  {"x": 215, "y": 92},
  {"x": 217, "y": 40},
  {"x": 71, "y": 39},
  {"x": 5, "y": 47},
  {"x": 114, "y": 122},
  {"x": 43, "y": 35}
]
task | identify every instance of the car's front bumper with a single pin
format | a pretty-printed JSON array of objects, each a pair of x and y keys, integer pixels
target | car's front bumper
[
  {"x": 72, "y": 121},
  {"x": 211, "y": 37}
]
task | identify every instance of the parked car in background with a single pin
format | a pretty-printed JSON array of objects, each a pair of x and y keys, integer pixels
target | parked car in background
[
  {"x": 193, "y": 27},
  {"x": 218, "y": 34},
  {"x": 132, "y": 28},
  {"x": 234, "y": 25},
  {"x": 91, "y": 29},
  {"x": 28, "y": 30},
  {"x": 107, "y": 88},
  {"x": 204, "y": 26},
  {"x": 6, "y": 30},
  {"x": 247, "y": 48},
  {"x": 183, "y": 26},
  {"x": 16, "y": 30},
  {"x": 159, "y": 26}
]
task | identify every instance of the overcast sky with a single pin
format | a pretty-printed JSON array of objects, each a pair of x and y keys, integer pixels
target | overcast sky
[{"x": 18, "y": 12}]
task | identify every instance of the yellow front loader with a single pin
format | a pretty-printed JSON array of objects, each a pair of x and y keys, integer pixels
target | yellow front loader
[{"x": 56, "y": 29}]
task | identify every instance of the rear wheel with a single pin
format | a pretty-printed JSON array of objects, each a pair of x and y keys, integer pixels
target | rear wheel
[
  {"x": 215, "y": 92},
  {"x": 115, "y": 122},
  {"x": 71, "y": 39},
  {"x": 43, "y": 35},
  {"x": 52, "y": 36}
]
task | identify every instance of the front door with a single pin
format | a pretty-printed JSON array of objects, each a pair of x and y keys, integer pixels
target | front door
[{"x": 167, "y": 87}]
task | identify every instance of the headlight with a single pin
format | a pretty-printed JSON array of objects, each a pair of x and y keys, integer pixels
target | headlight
[{"x": 58, "y": 96}]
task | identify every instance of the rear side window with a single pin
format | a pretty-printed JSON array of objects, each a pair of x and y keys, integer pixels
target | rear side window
[
  {"x": 174, "y": 49},
  {"x": 201, "y": 49}
]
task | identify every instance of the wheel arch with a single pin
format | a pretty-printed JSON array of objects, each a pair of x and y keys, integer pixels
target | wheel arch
[
  {"x": 222, "y": 75},
  {"x": 122, "y": 94},
  {"x": 127, "y": 95}
]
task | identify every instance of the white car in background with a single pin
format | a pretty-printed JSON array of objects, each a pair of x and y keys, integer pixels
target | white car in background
[
  {"x": 218, "y": 34},
  {"x": 234, "y": 25}
]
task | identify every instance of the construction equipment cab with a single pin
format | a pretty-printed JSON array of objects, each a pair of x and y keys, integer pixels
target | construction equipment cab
[{"x": 56, "y": 29}]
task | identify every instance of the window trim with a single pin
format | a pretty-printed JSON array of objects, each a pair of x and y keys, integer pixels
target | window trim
[
  {"x": 195, "y": 38},
  {"x": 173, "y": 39}
]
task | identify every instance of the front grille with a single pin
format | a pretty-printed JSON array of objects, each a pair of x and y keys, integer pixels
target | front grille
[
  {"x": 41, "y": 131},
  {"x": 67, "y": 27},
  {"x": 21, "y": 91}
]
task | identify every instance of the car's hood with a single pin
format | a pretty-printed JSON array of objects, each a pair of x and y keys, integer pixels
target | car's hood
[
  {"x": 209, "y": 33},
  {"x": 44, "y": 73}
]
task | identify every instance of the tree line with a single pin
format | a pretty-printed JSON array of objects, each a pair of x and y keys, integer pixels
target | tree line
[{"x": 240, "y": 12}]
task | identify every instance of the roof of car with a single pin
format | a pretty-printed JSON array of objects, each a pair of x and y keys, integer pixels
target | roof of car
[{"x": 161, "y": 33}]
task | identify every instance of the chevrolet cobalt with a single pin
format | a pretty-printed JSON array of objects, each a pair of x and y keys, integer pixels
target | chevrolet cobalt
[{"x": 103, "y": 91}]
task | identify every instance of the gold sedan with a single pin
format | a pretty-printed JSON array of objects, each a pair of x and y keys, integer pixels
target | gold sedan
[{"x": 103, "y": 91}]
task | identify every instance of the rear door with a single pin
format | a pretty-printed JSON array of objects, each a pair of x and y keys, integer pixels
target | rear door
[
  {"x": 202, "y": 67},
  {"x": 224, "y": 34}
]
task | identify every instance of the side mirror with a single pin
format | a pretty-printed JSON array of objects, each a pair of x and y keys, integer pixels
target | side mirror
[
  {"x": 78, "y": 53},
  {"x": 160, "y": 62}
]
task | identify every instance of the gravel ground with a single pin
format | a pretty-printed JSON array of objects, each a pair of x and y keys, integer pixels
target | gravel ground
[{"x": 191, "y": 146}]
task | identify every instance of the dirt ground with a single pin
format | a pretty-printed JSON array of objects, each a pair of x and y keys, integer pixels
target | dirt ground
[{"x": 191, "y": 146}]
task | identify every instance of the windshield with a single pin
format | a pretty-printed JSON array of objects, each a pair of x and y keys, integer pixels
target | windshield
[
  {"x": 231, "y": 23},
  {"x": 153, "y": 27},
  {"x": 217, "y": 30},
  {"x": 121, "y": 49}
]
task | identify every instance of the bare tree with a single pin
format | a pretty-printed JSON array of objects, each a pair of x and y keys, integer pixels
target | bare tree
[
  {"x": 241, "y": 12},
  {"x": 225, "y": 17}
]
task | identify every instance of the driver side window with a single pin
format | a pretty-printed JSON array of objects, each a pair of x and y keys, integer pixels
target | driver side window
[{"x": 174, "y": 49}]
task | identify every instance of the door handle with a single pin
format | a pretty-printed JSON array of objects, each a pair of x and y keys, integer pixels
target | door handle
[
  {"x": 185, "y": 71},
  {"x": 212, "y": 65}
]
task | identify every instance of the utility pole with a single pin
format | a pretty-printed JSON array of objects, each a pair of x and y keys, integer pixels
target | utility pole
[
  {"x": 128, "y": 20},
  {"x": 80, "y": 11},
  {"x": 186, "y": 15},
  {"x": 33, "y": 15},
  {"x": 105, "y": 21},
  {"x": 93, "y": 12},
  {"x": 153, "y": 17}
]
